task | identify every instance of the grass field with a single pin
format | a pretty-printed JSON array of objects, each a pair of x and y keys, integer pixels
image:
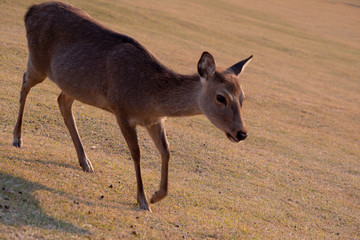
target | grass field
[{"x": 297, "y": 175}]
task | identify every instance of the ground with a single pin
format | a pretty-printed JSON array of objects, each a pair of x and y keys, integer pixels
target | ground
[{"x": 297, "y": 175}]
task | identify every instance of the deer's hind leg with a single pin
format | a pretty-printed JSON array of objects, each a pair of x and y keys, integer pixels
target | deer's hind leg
[
  {"x": 65, "y": 104},
  {"x": 30, "y": 78}
]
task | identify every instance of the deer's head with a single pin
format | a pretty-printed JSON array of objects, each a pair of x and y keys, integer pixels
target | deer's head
[{"x": 222, "y": 96}]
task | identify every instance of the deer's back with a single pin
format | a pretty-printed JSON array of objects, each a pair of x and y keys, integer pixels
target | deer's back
[
  {"x": 85, "y": 59},
  {"x": 56, "y": 23}
]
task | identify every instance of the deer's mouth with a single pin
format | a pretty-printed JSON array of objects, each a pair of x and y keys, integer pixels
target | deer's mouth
[{"x": 231, "y": 138}]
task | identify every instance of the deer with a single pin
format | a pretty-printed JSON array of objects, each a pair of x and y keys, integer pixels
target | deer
[{"x": 97, "y": 66}]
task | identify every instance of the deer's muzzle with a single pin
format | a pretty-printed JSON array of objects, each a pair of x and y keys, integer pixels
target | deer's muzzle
[{"x": 239, "y": 136}]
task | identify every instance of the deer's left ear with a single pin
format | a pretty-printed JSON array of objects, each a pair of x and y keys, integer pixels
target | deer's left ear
[
  {"x": 206, "y": 67},
  {"x": 239, "y": 67}
]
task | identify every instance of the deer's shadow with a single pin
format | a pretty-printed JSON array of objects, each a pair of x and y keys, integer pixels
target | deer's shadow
[{"x": 18, "y": 206}]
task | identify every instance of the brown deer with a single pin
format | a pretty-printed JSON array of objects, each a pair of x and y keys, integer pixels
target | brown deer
[{"x": 102, "y": 68}]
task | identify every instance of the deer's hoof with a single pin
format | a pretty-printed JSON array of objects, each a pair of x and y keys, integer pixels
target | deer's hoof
[
  {"x": 144, "y": 205},
  {"x": 158, "y": 195},
  {"x": 87, "y": 166},
  {"x": 17, "y": 142}
]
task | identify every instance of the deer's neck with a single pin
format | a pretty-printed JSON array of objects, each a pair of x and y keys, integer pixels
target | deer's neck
[{"x": 180, "y": 95}]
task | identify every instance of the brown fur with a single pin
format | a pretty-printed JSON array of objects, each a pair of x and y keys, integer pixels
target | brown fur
[{"x": 99, "y": 67}]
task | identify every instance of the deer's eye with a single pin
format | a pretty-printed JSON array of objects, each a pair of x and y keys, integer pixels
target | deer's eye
[{"x": 221, "y": 99}]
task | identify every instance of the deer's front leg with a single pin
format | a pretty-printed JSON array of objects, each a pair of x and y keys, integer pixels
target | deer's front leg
[
  {"x": 158, "y": 135},
  {"x": 130, "y": 136}
]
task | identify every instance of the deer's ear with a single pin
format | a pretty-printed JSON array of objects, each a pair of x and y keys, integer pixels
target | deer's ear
[
  {"x": 206, "y": 66},
  {"x": 239, "y": 67}
]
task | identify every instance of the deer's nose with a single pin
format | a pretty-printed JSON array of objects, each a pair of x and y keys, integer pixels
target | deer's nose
[{"x": 241, "y": 135}]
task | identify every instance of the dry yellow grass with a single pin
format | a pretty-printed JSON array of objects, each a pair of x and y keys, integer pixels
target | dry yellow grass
[{"x": 297, "y": 176}]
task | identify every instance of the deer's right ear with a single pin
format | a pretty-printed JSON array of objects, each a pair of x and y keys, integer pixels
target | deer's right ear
[{"x": 206, "y": 67}]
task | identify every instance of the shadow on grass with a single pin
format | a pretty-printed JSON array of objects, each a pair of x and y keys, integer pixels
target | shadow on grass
[
  {"x": 45, "y": 163},
  {"x": 18, "y": 207},
  {"x": 124, "y": 204}
]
